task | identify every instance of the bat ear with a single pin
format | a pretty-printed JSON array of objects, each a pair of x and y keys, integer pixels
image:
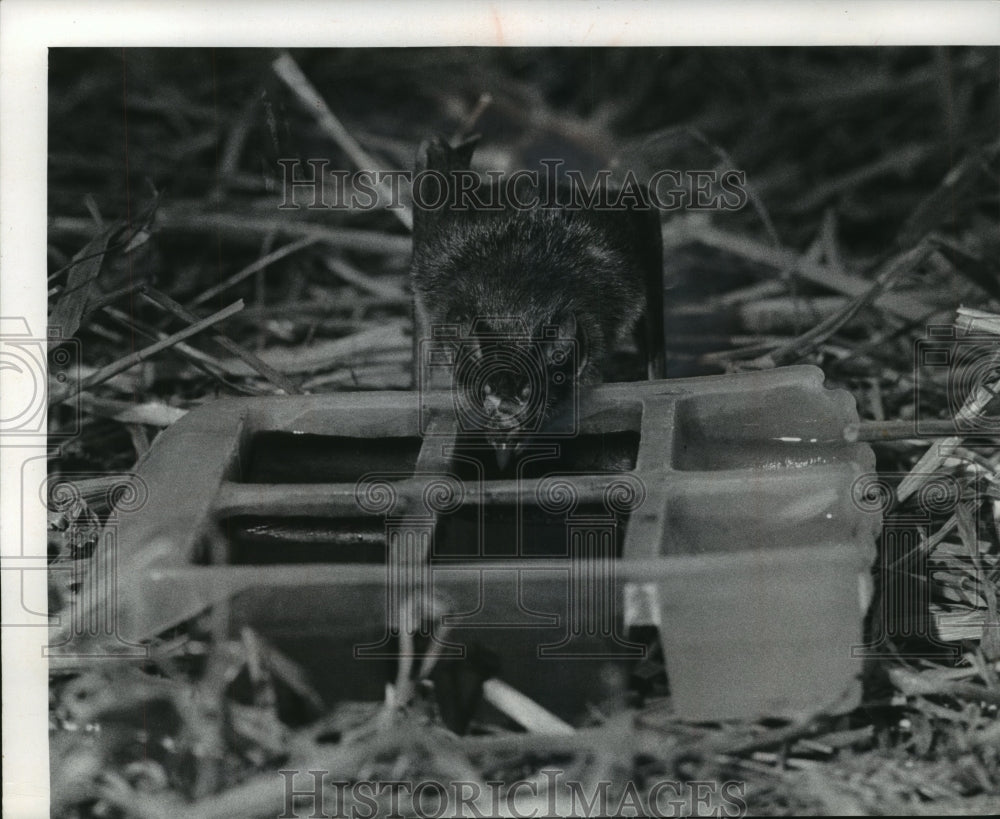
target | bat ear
[
  {"x": 436, "y": 154},
  {"x": 463, "y": 152},
  {"x": 570, "y": 343}
]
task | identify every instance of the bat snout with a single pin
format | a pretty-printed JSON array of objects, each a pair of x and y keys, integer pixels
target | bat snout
[{"x": 505, "y": 447}]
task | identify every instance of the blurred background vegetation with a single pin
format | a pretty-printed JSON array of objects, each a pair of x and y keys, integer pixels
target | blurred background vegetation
[{"x": 874, "y": 211}]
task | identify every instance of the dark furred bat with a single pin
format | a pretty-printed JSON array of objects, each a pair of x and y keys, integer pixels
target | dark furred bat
[{"x": 540, "y": 296}]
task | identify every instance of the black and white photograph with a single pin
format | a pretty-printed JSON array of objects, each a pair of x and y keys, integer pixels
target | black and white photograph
[{"x": 504, "y": 425}]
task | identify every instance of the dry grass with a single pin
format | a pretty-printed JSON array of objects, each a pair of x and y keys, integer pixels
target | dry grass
[{"x": 874, "y": 213}]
